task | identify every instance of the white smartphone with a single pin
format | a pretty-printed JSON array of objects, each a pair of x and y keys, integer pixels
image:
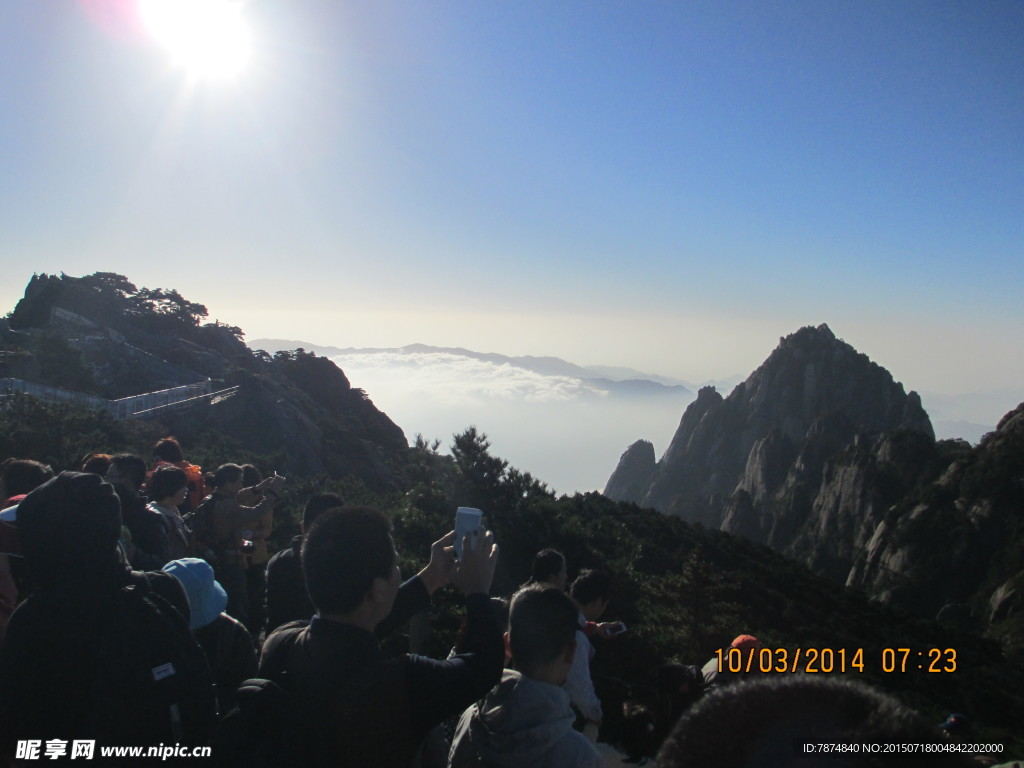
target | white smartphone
[
  {"x": 616, "y": 629},
  {"x": 467, "y": 523}
]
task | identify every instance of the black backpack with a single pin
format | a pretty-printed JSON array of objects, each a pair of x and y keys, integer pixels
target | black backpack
[
  {"x": 302, "y": 718},
  {"x": 152, "y": 683},
  {"x": 271, "y": 725}
]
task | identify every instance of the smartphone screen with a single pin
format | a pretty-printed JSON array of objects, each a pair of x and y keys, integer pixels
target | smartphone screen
[{"x": 467, "y": 522}]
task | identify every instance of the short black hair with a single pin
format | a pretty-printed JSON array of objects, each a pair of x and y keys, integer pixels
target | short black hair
[
  {"x": 547, "y": 564},
  {"x": 343, "y": 553},
  {"x": 168, "y": 449},
  {"x": 317, "y": 505},
  {"x": 542, "y": 622},
  {"x": 96, "y": 464},
  {"x": 24, "y": 475},
  {"x": 166, "y": 481},
  {"x": 225, "y": 473},
  {"x": 758, "y": 723},
  {"x": 251, "y": 475},
  {"x": 591, "y": 585},
  {"x": 131, "y": 465}
]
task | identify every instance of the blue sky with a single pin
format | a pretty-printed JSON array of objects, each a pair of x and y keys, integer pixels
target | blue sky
[{"x": 670, "y": 186}]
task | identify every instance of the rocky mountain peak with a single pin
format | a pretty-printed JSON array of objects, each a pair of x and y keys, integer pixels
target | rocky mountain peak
[
  {"x": 633, "y": 473},
  {"x": 708, "y": 394},
  {"x": 823, "y": 457},
  {"x": 813, "y": 396},
  {"x": 812, "y": 372}
]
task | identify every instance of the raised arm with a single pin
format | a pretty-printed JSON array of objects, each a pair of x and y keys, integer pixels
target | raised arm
[{"x": 441, "y": 689}]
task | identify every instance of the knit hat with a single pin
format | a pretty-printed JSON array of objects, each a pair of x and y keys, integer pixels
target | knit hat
[
  {"x": 206, "y": 597},
  {"x": 69, "y": 527}
]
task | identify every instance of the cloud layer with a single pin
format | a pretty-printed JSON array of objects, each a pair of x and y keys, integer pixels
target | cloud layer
[
  {"x": 568, "y": 432},
  {"x": 565, "y": 431},
  {"x": 454, "y": 379}
]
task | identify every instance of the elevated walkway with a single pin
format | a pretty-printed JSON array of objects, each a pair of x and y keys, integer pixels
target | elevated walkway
[{"x": 142, "y": 406}]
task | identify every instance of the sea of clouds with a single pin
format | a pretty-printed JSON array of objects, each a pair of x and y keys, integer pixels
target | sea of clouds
[
  {"x": 568, "y": 432},
  {"x": 565, "y": 431}
]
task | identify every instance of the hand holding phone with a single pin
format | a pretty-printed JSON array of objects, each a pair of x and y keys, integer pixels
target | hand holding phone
[
  {"x": 442, "y": 567},
  {"x": 475, "y": 570},
  {"x": 468, "y": 522}
]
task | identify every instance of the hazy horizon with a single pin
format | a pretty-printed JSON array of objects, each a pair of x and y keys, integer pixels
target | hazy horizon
[
  {"x": 564, "y": 431},
  {"x": 670, "y": 187}
]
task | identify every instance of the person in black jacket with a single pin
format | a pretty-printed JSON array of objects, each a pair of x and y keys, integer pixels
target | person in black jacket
[
  {"x": 287, "y": 599},
  {"x": 77, "y": 662},
  {"x": 369, "y": 710},
  {"x": 146, "y": 544}
]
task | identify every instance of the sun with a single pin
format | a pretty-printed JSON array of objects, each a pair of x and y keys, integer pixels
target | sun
[{"x": 208, "y": 39}]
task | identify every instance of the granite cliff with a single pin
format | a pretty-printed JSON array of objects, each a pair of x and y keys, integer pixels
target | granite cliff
[
  {"x": 814, "y": 395},
  {"x": 952, "y": 545},
  {"x": 823, "y": 457}
]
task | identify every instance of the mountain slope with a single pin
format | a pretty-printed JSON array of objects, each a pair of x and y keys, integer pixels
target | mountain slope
[{"x": 120, "y": 340}]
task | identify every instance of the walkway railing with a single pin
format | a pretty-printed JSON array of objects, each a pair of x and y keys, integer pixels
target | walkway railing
[
  {"x": 9, "y": 387},
  {"x": 179, "y": 405},
  {"x": 132, "y": 407},
  {"x": 129, "y": 407}
]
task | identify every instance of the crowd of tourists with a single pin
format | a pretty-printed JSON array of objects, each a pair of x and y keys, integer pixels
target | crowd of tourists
[{"x": 139, "y": 606}]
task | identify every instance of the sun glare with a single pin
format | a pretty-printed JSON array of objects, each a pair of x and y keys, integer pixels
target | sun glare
[{"x": 207, "y": 38}]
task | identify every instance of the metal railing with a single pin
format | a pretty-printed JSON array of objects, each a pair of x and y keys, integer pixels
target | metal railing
[
  {"x": 211, "y": 397},
  {"x": 129, "y": 407},
  {"x": 134, "y": 406},
  {"x": 9, "y": 387}
]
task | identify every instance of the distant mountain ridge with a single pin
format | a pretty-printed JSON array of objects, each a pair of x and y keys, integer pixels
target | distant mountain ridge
[
  {"x": 969, "y": 415},
  {"x": 610, "y": 378}
]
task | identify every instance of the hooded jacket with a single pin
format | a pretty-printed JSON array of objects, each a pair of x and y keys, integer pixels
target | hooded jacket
[{"x": 521, "y": 721}]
